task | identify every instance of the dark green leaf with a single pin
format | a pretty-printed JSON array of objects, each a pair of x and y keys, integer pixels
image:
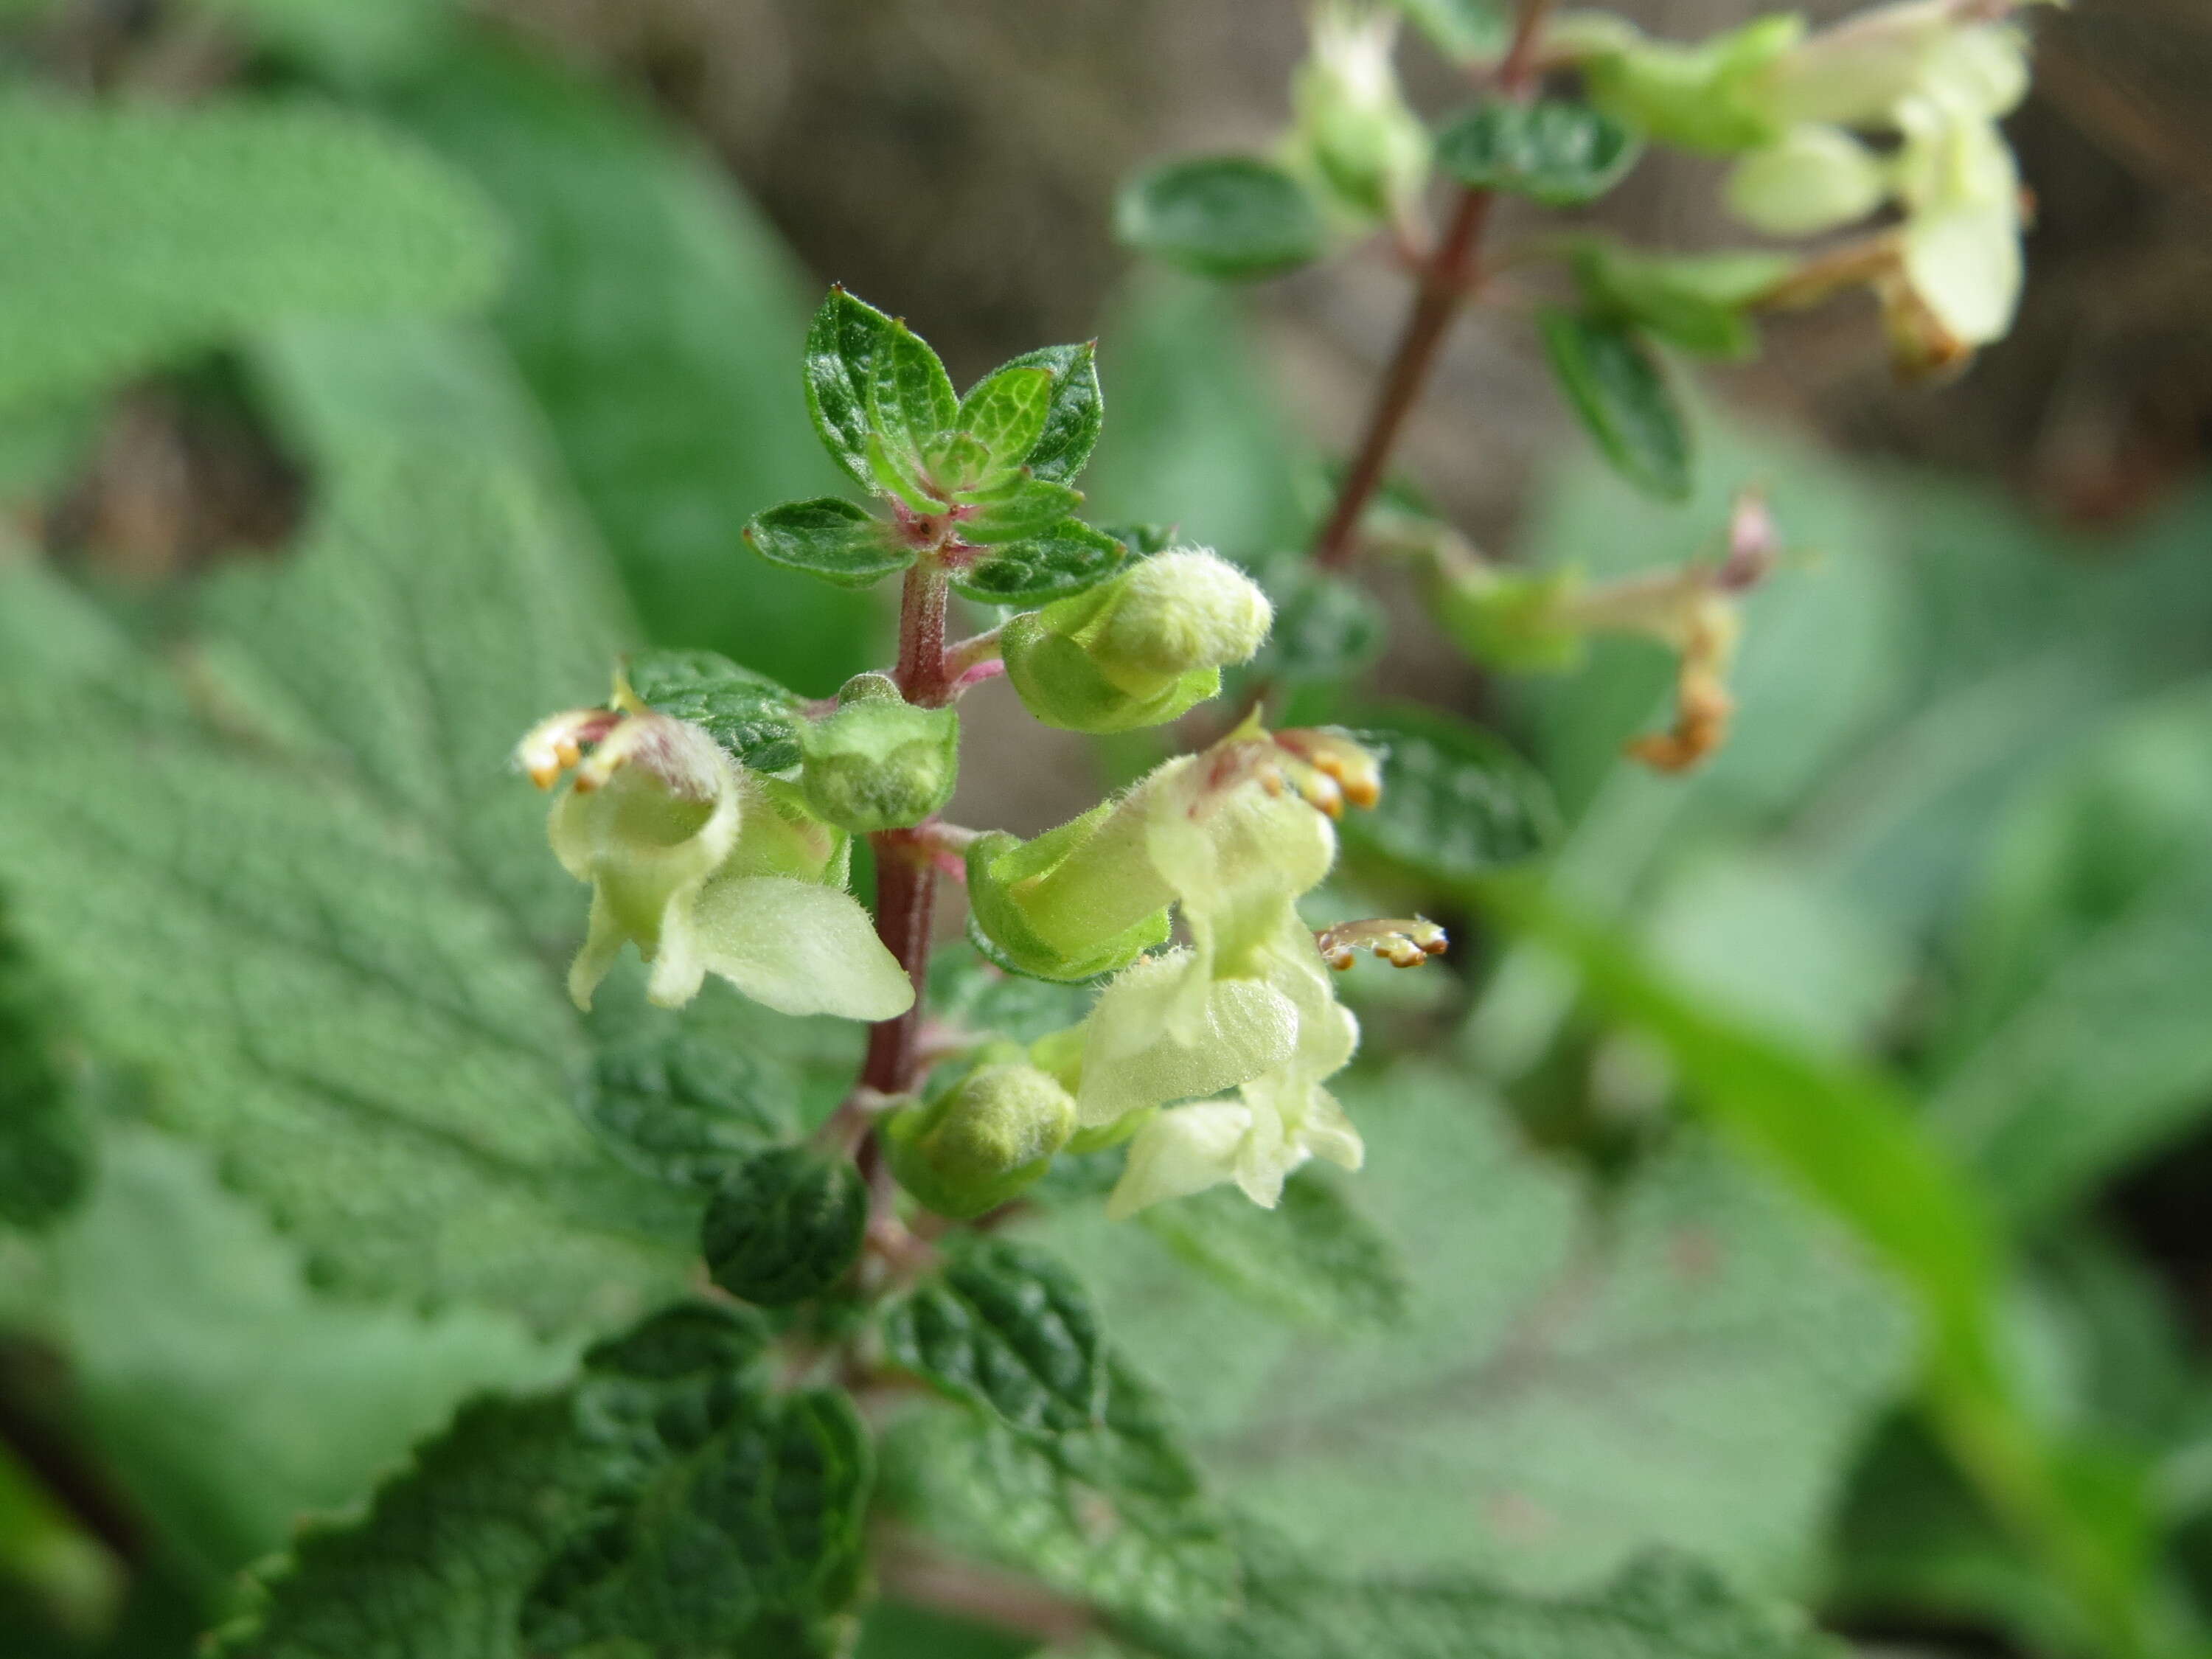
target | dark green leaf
[
  {"x": 1222, "y": 215},
  {"x": 1326, "y": 628},
  {"x": 910, "y": 396},
  {"x": 1027, "y": 507},
  {"x": 1066, "y": 559},
  {"x": 165, "y": 231},
  {"x": 843, "y": 345},
  {"x": 1073, "y": 414},
  {"x": 1143, "y": 540},
  {"x": 1560, "y": 153},
  {"x": 831, "y": 538},
  {"x": 784, "y": 1226},
  {"x": 45, "y": 1131},
  {"x": 682, "y": 1107},
  {"x": 1006, "y": 411},
  {"x": 1456, "y": 801},
  {"x": 1663, "y": 1607},
  {"x": 1114, "y": 1514},
  {"x": 1465, "y": 30},
  {"x": 748, "y": 1542},
  {"x": 1313, "y": 1259},
  {"x": 752, "y": 717},
  {"x": 1008, "y": 1329},
  {"x": 970, "y": 993},
  {"x": 1614, "y": 383}
]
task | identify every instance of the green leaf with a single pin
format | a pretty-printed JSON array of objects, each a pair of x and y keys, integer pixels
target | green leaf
[
  {"x": 161, "y": 233},
  {"x": 46, "y": 1130},
  {"x": 971, "y": 994},
  {"x": 349, "y": 44},
  {"x": 1571, "y": 1385},
  {"x": 750, "y": 1540},
  {"x": 1696, "y": 302},
  {"x": 784, "y": 1226},
  {"x": 442, "y": 1560},
  {"x": 1065, "y": 559},
  {"x": 1465, "y": 30},
  {"x": 1326, "y": 628},
  {"x": 844, "y": 343},
  {"x": 1115, "y": 1514},
  {"x": 1029, "y": 508},
  {"x": 1074, "y": 413},
  {"x": 831, "y": 538},
  {"x": 653, "y": 312},
  {"x": 684, "y": 1107},
  {"x": 2082, "y": 1041},
  {"x": 323, "y": 921},
  {"x": 752, "y": 717},
  {"x": 910, "y": 397},
  {"x": 1457, "y": 802},
  {"x": 1615, "y": 386},
  {"x": 1560, "y": 154},
  {"x": 1222, "y": 215},
  {"x": 1006, "y": 411},
  {"x": 1008, "y": 1329},
  {"x": 1663, "y": 1607},
  {"x": 228, "y": 1397},
  {"x": 1313, "y": 1259}
]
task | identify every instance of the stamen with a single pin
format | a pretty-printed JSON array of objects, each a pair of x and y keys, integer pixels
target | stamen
[
  {"x": 1354, "y": 774},
  {"x": 1403, "y": 942}
]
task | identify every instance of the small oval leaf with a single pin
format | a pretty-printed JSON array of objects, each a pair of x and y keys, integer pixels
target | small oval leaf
[
  {"x": 752, "y": 717},
  {"x": 1457, "y": 802},
  {"x": 1065, "y": 559},
  {"x": 1555, "y": 152},
  {"x": 1617, "y": 389},
  {"x": 784, "y": 1226},
  {"x": 830, "y": 539},
  {"x": 1222, "y": 215}
]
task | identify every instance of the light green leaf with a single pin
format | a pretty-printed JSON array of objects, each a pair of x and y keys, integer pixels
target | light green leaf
[
  {"x": 784, "y": 1226},
  {"x": 45, "y": 1129},
  {"x": 1465, "y": 30},
  {"x": 160, "y": 233},
  {"x": 1662, "y": 1607},
  {"x": 830, "y": 539},
  {"x": 1074, "y": 414},
  {"x": 1571, "y": 1385},
  {"x": 910, "y": 397},
  {"x": 752, "y": 717},
  {"x": 323, "y": 919},
  {"x": 844, "y": 342},
  {"x": 1063, "y": 559},
  {"x": 1314, "y": 1259},
  {"x": 1618, "y": 391},
  {"x": 1456, "y": 801},
  {"x": 1695, "y": 302},
  {"x": 1221, "y": 216},
  {"x": 1027, "y": 507},
  {"x": 654, "y": 315},
  {"x": 1006, "y": 411},
  {"x": 1115, "y": 1514},
  {"x": 1560, "y": 154},
  {"x": 348, "y": 43},
  {"x": 1009, "y": 1329}
]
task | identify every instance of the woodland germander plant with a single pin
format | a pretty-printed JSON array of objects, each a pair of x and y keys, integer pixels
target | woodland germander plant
[{"x": 714, "y": 814}]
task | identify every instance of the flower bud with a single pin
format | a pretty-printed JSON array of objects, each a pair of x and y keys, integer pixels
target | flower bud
[
  {"x": 1369, "y": 147},
  {"x": 1814, "y": 180},
  {"x": 1710, "y": 97},
  {"x": 985, "y": 1139},
  {"x": 1138, "y": 650},
  {"x": 879, "y": 763}
]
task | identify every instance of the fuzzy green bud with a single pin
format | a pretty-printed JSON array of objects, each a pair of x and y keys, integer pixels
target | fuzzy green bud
[
  {"x": 1367, "y": 145},
  {"x": 879, "y": 763},
  {"x": 1140, "y": 650},
  {"x": 982, "y": 1142}
]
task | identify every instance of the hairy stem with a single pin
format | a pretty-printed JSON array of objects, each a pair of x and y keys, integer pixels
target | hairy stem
[{"x": 1446, "y": 277}]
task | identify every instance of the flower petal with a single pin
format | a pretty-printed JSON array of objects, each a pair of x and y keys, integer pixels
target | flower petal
[
  {"x": 1180, "y": 1151},
  {"x": 1143, "y": 1047},
  {"x": 799, "y": 948}
]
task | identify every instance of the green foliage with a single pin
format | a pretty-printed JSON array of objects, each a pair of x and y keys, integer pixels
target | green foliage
[
  {"x": 1571, "y": 1384},
  {"x": 1114, "y": 1514},
  {"x": 1695, "y": 303},
  {"x": 1314, "y": 1260},
  {"x": 1558, "y": 152},
  {"x": 1075, "y": 411},
  {"x": 1327, "y": 630},
  {"x": 1457, "y": 802},
  {"x": 784, "y": 1226},
  {"x": 1465, "y": 30},
  {"x": 1662, "y": 1607},
  {"x": 45, "y": 1133},
  {"x": 163, "y": 233},
  {"x": 1009, "y": 1330},
  {"x": 1065, "y": 558},
  {"x": 1619, "y": 392},
  {"x": 1222, "y": 215},
  {"x": 752, "y": 717},
  {"x": 830, "y": 539},
  {"x": 685, "y": 1107}
]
